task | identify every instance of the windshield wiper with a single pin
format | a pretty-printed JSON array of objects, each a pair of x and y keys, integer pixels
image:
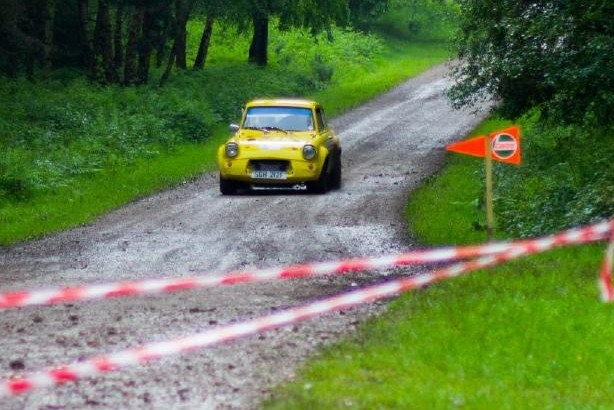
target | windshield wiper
[{"x": 267, "y": 129}]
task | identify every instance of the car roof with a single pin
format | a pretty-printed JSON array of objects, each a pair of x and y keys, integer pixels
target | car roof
[{"x": 282, "y": 102}]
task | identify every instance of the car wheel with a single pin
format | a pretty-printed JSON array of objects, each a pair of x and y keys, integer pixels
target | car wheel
[
  {"x": 336, "y": 172},
  {"x": 322, "y": 185},
  {"x": 227, "y": 186}
]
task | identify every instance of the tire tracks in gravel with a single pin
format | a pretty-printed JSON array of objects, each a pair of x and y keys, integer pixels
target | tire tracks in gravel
[{"x": 390, "y": 145}]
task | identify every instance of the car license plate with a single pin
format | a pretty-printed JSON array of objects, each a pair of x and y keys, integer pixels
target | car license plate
[{"x": 269, "y": 175}]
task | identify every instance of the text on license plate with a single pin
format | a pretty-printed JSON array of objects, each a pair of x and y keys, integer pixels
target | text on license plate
[{"x": 269, "y": 175}]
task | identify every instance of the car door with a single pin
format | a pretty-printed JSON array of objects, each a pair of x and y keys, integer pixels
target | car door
[{"x": 329, "y": 139}]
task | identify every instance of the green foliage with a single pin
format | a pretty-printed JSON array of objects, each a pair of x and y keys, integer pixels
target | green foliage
[
  {"x": 552, "y": 54},
  {"x": 554, "y": 59},
  {"x": 363, "y": 12},
  {"x": 84, "y": 197},
  {"x": 402, "y": 59},
  {"x": 228, "y": 43},
  {"x": 314, "y": 15},
  {"x": 328, "y": 57},
  {"x": 418, "y": 19},
  {"x": 16, "y": 183},
  {"x": 55, "y": 133},
  {"x": 323, "y": 71},
  {"x": 565, "y": 179},
  {"x": 459, "y": 199}
]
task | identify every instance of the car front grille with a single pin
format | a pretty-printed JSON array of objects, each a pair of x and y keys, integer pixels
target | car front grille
[{"x": 269, "y": 165}]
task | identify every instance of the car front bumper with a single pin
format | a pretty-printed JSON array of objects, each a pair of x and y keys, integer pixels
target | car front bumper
[{"x": 267, "y": 171}]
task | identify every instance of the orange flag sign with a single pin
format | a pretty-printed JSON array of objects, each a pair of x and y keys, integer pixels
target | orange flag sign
[{"x": 505, "y": 146}]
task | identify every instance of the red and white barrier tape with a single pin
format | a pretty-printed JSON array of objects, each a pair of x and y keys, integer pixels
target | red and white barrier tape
[
  {"x": 605, "y": 280},
  {"x": 16, "y": 299},
  {"x": 102, "y": 364}
]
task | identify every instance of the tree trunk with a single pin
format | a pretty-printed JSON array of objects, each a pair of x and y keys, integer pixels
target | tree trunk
[
  {"x": 33, "y": 26},
  {"x": 260, "y": 40},
  {"x": 178, "y": 52},
  {"x": 117, "y": 36},
  {"x": 145, "y": 48},
  {"x": 161, "y": 43},
  {"x": 182, "y": 13},
  {"x": 30, "y": 62},
  {"x": 103, "y": 44},
  {"x": 160, "y": 53},
  {"x": 84, "y": 36},
  {"x": 169, "y": 65},
  {"x": 48, "y": 20},
  {"x": 134, "y": 29},
  {"x": 203, "y": 48}
]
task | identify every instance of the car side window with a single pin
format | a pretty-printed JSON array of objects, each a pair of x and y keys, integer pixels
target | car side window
[{"x": 321, "y": 119}]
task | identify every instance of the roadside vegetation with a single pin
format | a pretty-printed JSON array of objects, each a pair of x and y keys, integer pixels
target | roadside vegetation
[
  {"x": 73, "y": 148},
  {"x": 531, "y": 333},
  {"x": 549, "y": 66}
]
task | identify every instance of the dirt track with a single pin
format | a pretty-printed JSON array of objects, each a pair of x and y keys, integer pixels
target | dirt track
[{"x": 390, "y": 145}]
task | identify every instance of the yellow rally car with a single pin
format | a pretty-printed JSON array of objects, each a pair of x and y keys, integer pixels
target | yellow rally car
[{"x": 280, "y": 144}]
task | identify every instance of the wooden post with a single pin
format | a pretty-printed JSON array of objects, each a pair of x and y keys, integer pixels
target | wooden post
[
  {"x": 489, "y": 194},
  {"x": 507, "y": 149}
]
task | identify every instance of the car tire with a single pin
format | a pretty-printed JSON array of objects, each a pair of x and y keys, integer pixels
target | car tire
[
  {"x": 227, "y": 186},
  {"x": 322, "y": 185},
  {"x": 336, "y": 172}
]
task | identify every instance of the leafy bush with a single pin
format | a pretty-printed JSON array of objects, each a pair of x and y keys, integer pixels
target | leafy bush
[
  {"x": 330, "y": 56},
  {"x": 54, "y": 132},
  {"x": 15, "y": 180},
  {"x": 553, "y": 54},
  {"x": 565, "y": 179},
  {"x": 324, "y": 72},
  {"x": 419, "y": 19},
  {"x": 189, "y": 124}
]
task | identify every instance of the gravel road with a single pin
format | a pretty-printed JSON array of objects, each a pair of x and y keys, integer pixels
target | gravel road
[{"x": 390, "y": 145}]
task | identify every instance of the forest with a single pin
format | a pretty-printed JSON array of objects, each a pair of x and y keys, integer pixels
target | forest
[
  {"x": 116, "y": 41},
  {"x": 107, "y": 101}
]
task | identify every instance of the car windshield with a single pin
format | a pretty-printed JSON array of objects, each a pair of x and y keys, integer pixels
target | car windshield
[{"x": 284, "y": 118}]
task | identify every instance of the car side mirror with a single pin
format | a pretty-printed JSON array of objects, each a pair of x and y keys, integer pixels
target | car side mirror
[{"x": 233, "y": 128}]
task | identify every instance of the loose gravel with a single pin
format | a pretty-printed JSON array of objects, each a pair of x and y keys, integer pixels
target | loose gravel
[{"x": 390, "y": 145}]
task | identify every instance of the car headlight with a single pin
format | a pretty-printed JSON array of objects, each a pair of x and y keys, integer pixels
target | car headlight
[
  {"x": 309, "y": 152},
  {"x": 232, "y": 149}
]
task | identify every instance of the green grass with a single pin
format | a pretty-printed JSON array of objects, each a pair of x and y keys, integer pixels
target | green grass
[
  {"x": 71, "y": 151},
  {"x": 529, "y": 334},
  {"x": 401, "y": 60},
  {"x": 87, "y": 197},
  {"x": 457, "y": 192}
]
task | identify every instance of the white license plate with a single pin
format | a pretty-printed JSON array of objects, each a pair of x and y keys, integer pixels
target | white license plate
[{"x": 269, "y": 175}]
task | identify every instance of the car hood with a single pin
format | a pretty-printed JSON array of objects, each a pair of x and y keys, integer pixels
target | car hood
[
  {"x": 273, "y": 139},
  {"x": 273, "y": 144}
]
